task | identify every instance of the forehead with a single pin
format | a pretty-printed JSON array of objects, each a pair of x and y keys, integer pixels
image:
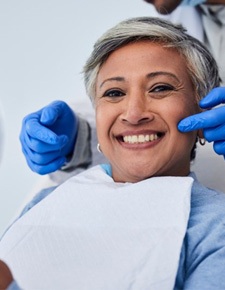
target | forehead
[{"x": 143, "y": 56}]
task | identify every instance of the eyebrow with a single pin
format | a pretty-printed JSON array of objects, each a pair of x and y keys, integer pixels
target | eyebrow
[
  {"x": 118, "y": 79},
  {"x": 148, "y": 76},
  {"x": 165, "y": 73}
]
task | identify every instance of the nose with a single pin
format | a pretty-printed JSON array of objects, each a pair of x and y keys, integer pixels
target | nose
[{"x": 136, "y": 110}]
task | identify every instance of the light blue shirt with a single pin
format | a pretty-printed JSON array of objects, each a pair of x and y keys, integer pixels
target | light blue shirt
[{"x": 13, "y": 286}]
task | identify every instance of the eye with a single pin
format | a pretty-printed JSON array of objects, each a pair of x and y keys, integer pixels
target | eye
[
  {"x": 161, "y": 89},
  {"x": 113, "y": 93}
]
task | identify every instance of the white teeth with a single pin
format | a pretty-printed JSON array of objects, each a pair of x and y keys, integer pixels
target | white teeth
[
  {"x": 134, "y": 139},
  {"x": 140, "y": 138},
  {"x": 147, "y": 138}
]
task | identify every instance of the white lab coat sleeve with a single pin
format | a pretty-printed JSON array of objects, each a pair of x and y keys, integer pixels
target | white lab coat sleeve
[
  {"x": 213, "y": 19},
  {"x": 189, "y": 17}
]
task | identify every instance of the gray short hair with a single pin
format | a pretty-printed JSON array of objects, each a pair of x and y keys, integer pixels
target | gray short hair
[{"x": 201, "y": 65}]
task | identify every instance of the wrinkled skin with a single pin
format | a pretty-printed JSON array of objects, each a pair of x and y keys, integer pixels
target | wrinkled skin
[{"x": 137, "y": 112}]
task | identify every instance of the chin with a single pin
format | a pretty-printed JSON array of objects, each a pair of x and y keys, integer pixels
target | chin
[
  {"x": 164, "y": 9},
  {"x": 134, "y": 177}
]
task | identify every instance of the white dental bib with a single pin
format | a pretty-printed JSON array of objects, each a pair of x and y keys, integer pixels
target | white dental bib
[{"x": 92, "y": 233}]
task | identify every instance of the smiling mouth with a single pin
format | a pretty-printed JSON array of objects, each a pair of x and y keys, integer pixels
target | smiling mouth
[{"x": 141, "y": 138}]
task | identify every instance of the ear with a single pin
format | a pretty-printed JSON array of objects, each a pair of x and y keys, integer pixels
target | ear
[
  {"x": 201, "y": 138},
  {"x": 200, "y": 134}
]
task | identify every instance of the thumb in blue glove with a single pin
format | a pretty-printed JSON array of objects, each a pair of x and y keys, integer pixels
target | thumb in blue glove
[
  {"x": 212, "y": 122},
  {"x": 60, "y": 119}
]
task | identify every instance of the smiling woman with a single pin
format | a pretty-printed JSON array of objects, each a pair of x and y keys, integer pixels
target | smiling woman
[
  {"x": 144, "y": 77},
  {"x": 143, "y": 219},
  {"x": 142, "y": 92}
]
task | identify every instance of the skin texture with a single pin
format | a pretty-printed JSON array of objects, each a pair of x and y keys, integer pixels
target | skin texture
[
  {"x": 168, "y": 6},
  {"x": 5, "y": 276},
  {"x": 145, "y": 89},
  {"x": 164, "y": 6}
]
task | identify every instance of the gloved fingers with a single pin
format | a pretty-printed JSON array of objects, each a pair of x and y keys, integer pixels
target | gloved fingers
[
  {"x": 48, "y": 168},
  {"x": 219, "y": 147},
  {"x": 215, "y": 134},
  {"x": 53, "y": 111},
  {"x": 203, "y": 120},
  {"x": 42, "y": 147},
  {"x": 52, "y": 166},
  {"x": 49, "y": 114},
  {"x": 214, "y": 98},
  {"x": 37, "y": 131},
  {"x": 41, "y": 158}
]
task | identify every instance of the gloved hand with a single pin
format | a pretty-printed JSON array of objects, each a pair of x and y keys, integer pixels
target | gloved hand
[
  {"x": 48, "y": 136},
  {"x": 212, "y": 122}
]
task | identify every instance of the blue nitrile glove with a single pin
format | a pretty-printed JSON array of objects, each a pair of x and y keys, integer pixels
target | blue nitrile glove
[
  {"x": 48, "y": 136},
  {"x": 212, "y": 122},
  {"x": 192, "y": 2}
]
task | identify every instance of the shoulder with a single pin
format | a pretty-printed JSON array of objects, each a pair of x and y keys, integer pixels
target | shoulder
[
  {"x": 98, "y": 172},
  {"x": 207, "y": 216},
  {"x": 206, "y": 203},
  {"x": 202, "y": 261},
  {"x": 37, "y": 198}
]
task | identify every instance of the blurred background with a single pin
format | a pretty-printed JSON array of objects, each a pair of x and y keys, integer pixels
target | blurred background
[{"x": 43, "y": 46}]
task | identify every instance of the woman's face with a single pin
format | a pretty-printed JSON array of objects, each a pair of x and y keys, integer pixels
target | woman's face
[{"x": 142, "y": 91}]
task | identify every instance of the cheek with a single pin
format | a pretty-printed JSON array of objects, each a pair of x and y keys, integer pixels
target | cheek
[
  {"x": 104, "y": 121},
  {"x": 100, "y": 124},
  {"x": 175, "y": 115},
  {"x": 181, "y": 110},
  {"x": 172, "y": 115}
]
